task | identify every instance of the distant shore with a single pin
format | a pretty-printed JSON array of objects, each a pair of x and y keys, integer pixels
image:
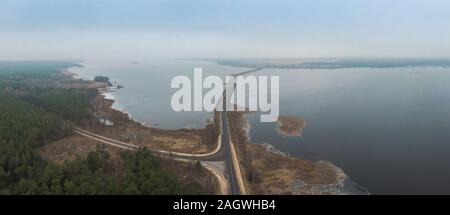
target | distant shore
[{"x": 333, "y": 63}]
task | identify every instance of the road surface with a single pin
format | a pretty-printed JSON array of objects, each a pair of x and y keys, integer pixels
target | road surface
[{"x": 230, "y": 166}]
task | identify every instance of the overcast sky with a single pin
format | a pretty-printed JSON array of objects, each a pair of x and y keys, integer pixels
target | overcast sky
[{"x": 55, "y": 29}]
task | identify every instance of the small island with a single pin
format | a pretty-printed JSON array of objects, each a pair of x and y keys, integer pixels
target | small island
[
  {"x": 102, "y": 79},
  {"x": 290, "y": 126}
]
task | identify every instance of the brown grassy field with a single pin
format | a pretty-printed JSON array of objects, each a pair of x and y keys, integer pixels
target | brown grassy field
[{"x": 266, "y": 172}]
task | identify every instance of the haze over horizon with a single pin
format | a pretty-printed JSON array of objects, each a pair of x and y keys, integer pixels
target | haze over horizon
[{"x": 139, "y": 29}]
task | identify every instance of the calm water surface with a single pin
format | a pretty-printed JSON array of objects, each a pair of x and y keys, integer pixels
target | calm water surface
[
  {"x": 147, "y": 93},
  {"x": 389, "y": 129}
]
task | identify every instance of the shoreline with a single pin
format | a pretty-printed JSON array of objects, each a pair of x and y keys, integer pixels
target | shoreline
[
  {"x": 343, "y": 185},
  {"x": 335, "y": 64},
  {"x": 109, "y": 96},
  {"x": 180, "y": 140},
  {"x": 290, "y": 126},
  {"x": 247, "y": 127}
]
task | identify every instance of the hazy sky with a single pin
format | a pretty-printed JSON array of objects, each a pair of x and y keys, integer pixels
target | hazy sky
[{"x": 45, "y": 29}]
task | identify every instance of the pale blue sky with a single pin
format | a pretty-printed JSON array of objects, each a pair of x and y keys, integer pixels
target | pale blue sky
[{"x": 227, "y": 28}]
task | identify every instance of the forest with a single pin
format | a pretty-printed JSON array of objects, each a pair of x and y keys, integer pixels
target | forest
[{"x": 31, "y": 117}]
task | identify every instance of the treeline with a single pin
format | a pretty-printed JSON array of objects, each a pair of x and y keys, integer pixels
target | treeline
[
  {"x": 24, "y": 127},
  {"x": 33, "y": 69},
  {"x": 103, "y": 79},
  {"x": 24, "y": 122},
  {"x": 88, "y": 176},
  {"x": 71, "y": 104},
  {"x": 33, "y": 114}
]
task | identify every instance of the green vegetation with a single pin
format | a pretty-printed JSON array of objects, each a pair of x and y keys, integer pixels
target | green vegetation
[
  {"x": 143, "y": 175},
  {"x": 33, "y": 69},
  {"x": 23, "y": 128},
  {"x": 21, "y": 77},
  {"x": 23, "y": 122},
  {"x": 34, "y": 82},
  {"x": 103, "y": 79},
  {"x": 31, "y": 116},
  {"x": 71, "y": 104},
  {"x": 88, "y": 176}
]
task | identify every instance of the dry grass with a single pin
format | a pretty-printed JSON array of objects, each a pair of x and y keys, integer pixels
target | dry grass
[
  {"x": 179, "y": 140},
  {"x": 71, "y": 147},
  {"x": 67, "y": 148},
  {"x": 290, "y": 126},
  {"x": 192, "y": 145},
  {"x": 269, "y": 173}
]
